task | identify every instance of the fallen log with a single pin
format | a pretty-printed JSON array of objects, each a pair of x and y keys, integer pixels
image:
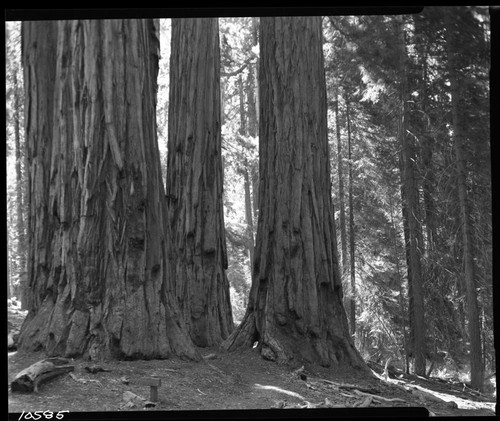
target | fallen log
[
  {"x": 84, "y": 381},
  {"x": 379, "y": 398},
  {"x": 391, "y": 371},
  {"x": 347, "y": 386},
  {"x": 29, "y": 379},
  {"x": 365, "y": 403}
]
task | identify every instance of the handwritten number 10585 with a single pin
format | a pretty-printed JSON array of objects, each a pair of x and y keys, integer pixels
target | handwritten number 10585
[{"x": 42, "y": 414}]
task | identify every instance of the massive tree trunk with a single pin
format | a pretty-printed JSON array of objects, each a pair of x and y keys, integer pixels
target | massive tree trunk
[
  {"x": 411, "y": 199},
  {"x": 99, "y": 280},
  {"x": 39, "y": 63},
  {"x": 194, "y": 181},
  {"x": 452, "y": 47},
  {"x": 295, "y": 308}
]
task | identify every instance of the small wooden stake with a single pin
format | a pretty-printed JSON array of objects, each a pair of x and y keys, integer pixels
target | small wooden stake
[{"x": 154, "y": 383}]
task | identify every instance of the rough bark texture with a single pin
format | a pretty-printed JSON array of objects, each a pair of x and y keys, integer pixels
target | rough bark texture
[
  {"x": 411, "y": 199},
  {"x": 295, "y": 308},
  {"x": 452, "y": 46},
  {"x": 101, "y": 289},
  {"x": 194, "y": 181},
  {"x": 39, "y": 66}
]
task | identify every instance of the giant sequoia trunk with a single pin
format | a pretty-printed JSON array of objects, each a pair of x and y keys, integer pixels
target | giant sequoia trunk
[
  {"x": 295, "y": 306},
  {"x": 39, "y": 66},
  {"x": 97, "y": 262},
  {"x": 194, "y": 181}
]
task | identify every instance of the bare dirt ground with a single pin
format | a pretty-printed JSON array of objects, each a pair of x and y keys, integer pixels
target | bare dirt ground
[{"x": 232, "y": 381}]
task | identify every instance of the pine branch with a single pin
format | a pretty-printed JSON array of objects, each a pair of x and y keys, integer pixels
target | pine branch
[{"x": 239, "y": 70}]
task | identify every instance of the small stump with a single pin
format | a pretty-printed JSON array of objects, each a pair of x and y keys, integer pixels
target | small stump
[{"x": 154, "y": 383}]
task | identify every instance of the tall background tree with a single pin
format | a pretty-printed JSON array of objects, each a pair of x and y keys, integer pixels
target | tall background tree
[
  {"x": 454, "y": 41},
  {"x": 363, "y": 47},
  {"x": 194, "y": 181},
  {"x": 239, "y": 58},
  {"x": 410, "y": 204},
  {"x": 97, "y": 266},
  {"x": 16, "y": 167},
  {"x": 295, "y": 306}
]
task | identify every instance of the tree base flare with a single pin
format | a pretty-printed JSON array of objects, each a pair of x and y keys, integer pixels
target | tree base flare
[{"x": 290, "y": 347}]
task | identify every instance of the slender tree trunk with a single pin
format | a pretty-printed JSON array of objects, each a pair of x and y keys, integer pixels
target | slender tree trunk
[
  {"x": 406, "y": 236},
  {"x": 194, "y": 181},
  {"x": 428, "y": 144},
  {"x": 253, "y": 115},
  {"x": 243, "y": 131},
  {"x": 428, "y": 185},
  {"x": 102, "y": 291},
  {"x": 428, "y": 181},
  {"x": 9, "y": 284},
  {"x": 352, "y": 244},
  {"x": 340, "y": 164},
  {"x": 409, "y": 183},
  {"x": 249, "y": 216},
  {"x": 20, "y": 186},
  {"x": 400, "y": 285},
  {"x": 253, "y": 124},
  {"x": 452, "y": 45},
  {"x": 295, "y": 308}
]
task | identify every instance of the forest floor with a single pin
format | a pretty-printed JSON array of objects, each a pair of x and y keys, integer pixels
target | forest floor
[{"x": 233, "y": 381}]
